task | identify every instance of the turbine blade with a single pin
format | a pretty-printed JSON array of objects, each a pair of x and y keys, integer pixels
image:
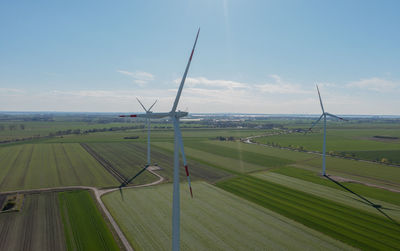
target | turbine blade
[
  {"x": 329, "y": 114},
  {"x": 178, "y": 95},
  {"x": 178, "y": 133},
  {"x": 142, "y": 105},
  {"x": 127, "y": 116},
  {"x": 153, "y": 104},
  {"x": 316, "y": 122},
  {"x": 320, "y": 100}
]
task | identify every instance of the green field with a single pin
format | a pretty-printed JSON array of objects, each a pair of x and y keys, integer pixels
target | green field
[
  {"x": 374, "y": 173},
  {"x": 239, "y": 153},
  {"x": 331, "y": 191},
  {"x": 44, "y": 128},
  {"x": 31, "y": 166},
  {"x": 84, "y": 226},
  {"x": 212, "y": 158},
  {"x": 360, "y": 143},
  {"x": 262, "y": 196},
  {"x": 37, "y": 226},
  {"x": 212, "y": 220},
  {"x": 351, "y": 225},
  {"x": 315, "y": 177}
]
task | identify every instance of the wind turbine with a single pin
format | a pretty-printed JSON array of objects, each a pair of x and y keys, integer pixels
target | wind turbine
[
  {"x": 324, "y": 114},
  {"x": 148, "y": 116},
  {"x": 178, "y": 147}
]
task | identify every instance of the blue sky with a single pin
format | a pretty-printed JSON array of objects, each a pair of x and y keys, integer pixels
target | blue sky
[{"x": 252, "y": 56}]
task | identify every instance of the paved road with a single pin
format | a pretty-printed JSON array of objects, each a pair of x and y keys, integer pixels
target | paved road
[{"x": 98, "y": 193}]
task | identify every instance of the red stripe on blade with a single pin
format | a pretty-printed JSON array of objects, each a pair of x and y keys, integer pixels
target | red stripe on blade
[
  {"x": 122, "y": 116},
  {"x": 187, "y": 170},
  {"x": 191, "y": 55},
  {"x": 132, "y": 116}
]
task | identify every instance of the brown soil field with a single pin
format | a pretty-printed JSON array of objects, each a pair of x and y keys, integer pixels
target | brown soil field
[{"x": 37, "y": 226}]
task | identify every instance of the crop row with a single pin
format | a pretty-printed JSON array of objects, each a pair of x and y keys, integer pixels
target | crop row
[
  {"x": 37, "y": 226},
  {"x": 31, "y": 166},
  {"x": 129, "y": 158},
  {"x": 350, "y": 225},
  {"x": 240, "y": 154}
]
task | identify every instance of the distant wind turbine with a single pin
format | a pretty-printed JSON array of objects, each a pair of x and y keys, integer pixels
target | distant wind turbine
[
  {"x": 324, "y": 114},
  {"x": 178, "y": 146},
  {"x": 148, "y": 117}
]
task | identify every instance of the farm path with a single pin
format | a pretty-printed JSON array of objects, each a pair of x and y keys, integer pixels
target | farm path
[{"x": 98, "y": 193}]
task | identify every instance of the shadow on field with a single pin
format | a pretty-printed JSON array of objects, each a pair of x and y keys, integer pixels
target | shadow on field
[
  {"x": 364, "y": 200},
  {"x": 125, "y": 183},
  {"x": 391, "y": 209}
]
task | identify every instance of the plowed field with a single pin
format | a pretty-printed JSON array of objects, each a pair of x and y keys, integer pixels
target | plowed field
[{"x": 37, "y": 226}]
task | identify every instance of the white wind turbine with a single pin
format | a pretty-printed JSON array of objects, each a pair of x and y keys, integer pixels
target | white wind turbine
[
  {"x": 324, "y": 114},
  {"x": 178, "y": 146},
  {"x": 148, "y": 116}
]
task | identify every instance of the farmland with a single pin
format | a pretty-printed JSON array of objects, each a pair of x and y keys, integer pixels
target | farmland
[
  {"x": 30, "y": 166},
  {"x": 314, "y": 177},
  {"x": 37, "y": 226},
  {"x": 246, "y": 196},
  {"x": 374, "y": 173},
  {"x": 210, "y": 157},
  {"x": 208, "y": 222},
  {"x": 390, "y": 201},
  {"x": 129, "y": 158},
  {"x": 365, "y": 144},
  {"x": 84, "y": 227},
  {"x": 350, "y": 225}
]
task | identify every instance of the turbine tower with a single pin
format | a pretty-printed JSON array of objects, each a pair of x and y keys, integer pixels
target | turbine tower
[
  {"x": 324, "y": 114},
  {"x": 178, "y": 146}
]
